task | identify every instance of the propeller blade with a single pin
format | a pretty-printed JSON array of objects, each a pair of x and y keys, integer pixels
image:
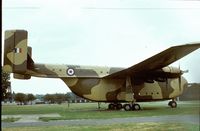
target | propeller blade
[
  {"x": 185, "y": 71},
  {"x": 179, "y": 78},
  {"x": 179, "y": 82}
]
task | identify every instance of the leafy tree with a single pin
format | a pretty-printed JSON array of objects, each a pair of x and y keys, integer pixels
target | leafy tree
[
  {"x": 49, "y": 98},
  {"x": 31, "y": 97},
  {"x": 5, "y": 85},
  {"x": 69, "y": 96},
  {"x": 55, "y": 98},
  {"x": 59, "y": 98},
  {"x": 21, "y": 98}
]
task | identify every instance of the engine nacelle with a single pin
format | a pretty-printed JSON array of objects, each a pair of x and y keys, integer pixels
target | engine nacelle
[
  {"x": 171, "y": 72},
  {"x": 22, "y": 77},
  {"x": 170, "y": 69},
  {"x": 165, "y": 72}
]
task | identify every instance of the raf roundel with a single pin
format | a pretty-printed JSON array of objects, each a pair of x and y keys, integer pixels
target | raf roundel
[{"x": 70, "y": 72}]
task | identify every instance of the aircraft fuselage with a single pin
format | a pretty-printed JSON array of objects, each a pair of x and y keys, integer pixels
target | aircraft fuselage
[{"x": 88, "y": 82}]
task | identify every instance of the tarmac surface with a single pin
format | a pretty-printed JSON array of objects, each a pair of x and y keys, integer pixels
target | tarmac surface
[
  {"x": 32, "y": 120},
  {"x": 29, "y": 118}
]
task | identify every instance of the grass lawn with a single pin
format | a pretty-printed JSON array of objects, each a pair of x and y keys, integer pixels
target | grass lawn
[
  {"x": 90, "y": 111},
  {"x": 10, "y": 119},
  {"x": 116, "y": 127}
]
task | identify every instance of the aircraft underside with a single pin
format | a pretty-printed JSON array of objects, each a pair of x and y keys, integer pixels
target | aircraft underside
[{"x": 115, "y": 92}]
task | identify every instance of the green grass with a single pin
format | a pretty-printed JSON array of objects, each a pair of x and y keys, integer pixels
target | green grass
[
  {"x": 115, "y": 127},
  {"x": 10, "y": 119},
  {"x": 90, "y": 111}
]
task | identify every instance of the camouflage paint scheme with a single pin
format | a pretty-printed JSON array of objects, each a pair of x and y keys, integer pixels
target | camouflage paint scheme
[{"x": 149, "y": 80}]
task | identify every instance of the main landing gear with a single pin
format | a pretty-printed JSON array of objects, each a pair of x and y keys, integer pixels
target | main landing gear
[
  {"x": 115, "y": 106},
  {"x": 126, "y": 107}
]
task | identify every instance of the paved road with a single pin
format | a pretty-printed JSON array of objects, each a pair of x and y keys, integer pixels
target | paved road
[
  {"x": 193, "y": 119},
  {"x": 29, "y": 118}
]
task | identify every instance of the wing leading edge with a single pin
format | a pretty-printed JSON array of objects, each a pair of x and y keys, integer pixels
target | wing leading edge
[{"x": 157, "y": 61}]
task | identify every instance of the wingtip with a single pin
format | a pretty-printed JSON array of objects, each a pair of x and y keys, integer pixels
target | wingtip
[{"x": 196, "y": 44}]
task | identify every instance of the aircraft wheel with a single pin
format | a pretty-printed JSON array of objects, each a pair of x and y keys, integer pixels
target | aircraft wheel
[
  {"x": 119, "y": 106},
  {"x": 170, "y": 103},
  {"x": 127, "y": 107},
  {"x": 136, "y": 107},
  {"x": 111, "y": 107},
  {"x": 173, "y": 104}
]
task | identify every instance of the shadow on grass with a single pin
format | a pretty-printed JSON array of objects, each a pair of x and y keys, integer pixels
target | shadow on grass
[{"x": 108, "y": 110}]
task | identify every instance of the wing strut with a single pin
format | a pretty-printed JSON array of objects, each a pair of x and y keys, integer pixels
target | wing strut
[
  {"x": 130, "y": 96},
  {"x": 129, "y": 90}
]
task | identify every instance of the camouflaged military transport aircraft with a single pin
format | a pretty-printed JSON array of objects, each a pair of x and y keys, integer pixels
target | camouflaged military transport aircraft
[{"x": 149, "y": 80}]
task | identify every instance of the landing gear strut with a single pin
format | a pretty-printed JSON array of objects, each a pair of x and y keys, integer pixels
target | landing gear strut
[{"x": 129, "y": 97}]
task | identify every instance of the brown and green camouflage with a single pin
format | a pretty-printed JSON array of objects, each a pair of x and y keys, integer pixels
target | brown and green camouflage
[{"x": 149, "y": 80}]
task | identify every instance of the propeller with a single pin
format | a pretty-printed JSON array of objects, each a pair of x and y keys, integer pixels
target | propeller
[
  {"x": 179, "y": 78},
  {"x": 185, "y": 71}
]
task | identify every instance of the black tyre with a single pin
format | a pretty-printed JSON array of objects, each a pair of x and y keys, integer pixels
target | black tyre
[
  {"x": 136, "y": 107},
  {"x": 111, "y": 107},
  {"x": 170, "y": 103},
  {"x": 119, "y": 106},
  {"x": 173, "y": 104},
  {"x": 127, "y": 107}
]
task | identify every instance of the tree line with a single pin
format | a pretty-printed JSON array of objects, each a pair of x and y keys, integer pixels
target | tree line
[
  {"x": 22, "y": 98},
  {"x": 57, "y": 98}
]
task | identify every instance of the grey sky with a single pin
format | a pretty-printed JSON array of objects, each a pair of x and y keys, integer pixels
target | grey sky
[{"x": 102, "y": 32}]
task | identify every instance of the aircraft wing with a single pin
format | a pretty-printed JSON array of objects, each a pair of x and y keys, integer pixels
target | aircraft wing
[{"x": 157, "y": 61}]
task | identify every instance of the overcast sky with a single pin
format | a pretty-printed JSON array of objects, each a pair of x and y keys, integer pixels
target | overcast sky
[{"x": 116, "y": 33}]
